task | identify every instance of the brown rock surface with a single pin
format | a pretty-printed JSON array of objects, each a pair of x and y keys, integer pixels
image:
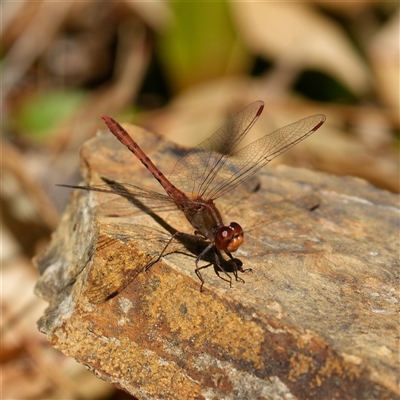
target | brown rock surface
[{"x": 316, "y": 318}]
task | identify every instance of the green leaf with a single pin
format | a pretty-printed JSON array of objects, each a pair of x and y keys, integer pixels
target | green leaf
[{"x": 42, "y": 112}]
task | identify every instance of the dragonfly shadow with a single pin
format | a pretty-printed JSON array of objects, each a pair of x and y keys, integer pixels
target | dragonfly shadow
[{"x": 122, "y": 191}]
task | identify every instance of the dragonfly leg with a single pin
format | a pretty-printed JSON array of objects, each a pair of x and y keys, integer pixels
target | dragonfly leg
[
  {"x": 237, "y": 268},
  {"x": 151, "y": 263},
  {"x": 197, "y": 270},
  {"x": 176, "y": 234},
  {"x": 218, "y": 264}
]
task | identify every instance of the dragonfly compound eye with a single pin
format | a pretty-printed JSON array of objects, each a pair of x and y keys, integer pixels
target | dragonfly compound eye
[{"x": 229, "y": 238}]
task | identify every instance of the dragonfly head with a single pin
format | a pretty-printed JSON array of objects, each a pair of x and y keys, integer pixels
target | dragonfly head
[{"x": 229, "y": 238}]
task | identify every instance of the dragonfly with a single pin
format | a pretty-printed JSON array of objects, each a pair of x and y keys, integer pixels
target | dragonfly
[{"x": 211, "y": 169}]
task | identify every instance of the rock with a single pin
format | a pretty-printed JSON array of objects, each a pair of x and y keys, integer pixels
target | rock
[{"x": 317, "y": 317}]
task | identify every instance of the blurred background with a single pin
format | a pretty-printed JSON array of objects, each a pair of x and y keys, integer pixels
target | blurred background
[{"x": 179, "y": 69}]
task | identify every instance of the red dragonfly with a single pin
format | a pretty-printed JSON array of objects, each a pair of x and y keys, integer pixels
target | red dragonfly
[{"x": 204, "y": 174}]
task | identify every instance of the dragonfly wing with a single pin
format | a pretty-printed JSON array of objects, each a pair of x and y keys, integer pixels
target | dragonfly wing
[
  {"x": 197, "y": 171},
  {"x": 122, "y": 189},
  {"x": 247, "y": 161},
  {"x": 153, "y": 199}
]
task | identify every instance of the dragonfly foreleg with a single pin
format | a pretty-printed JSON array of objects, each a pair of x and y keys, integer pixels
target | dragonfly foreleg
[{"x": 237, "y": 267}]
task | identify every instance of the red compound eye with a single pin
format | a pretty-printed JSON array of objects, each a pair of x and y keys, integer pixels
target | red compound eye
[{"x": 229, "y": 238}]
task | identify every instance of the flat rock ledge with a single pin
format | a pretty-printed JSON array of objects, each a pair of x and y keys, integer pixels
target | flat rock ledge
[{"x": 318, "y": 316}]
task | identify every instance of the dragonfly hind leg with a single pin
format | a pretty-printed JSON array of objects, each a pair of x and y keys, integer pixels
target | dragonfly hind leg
[{"x": 158, "y": 258}]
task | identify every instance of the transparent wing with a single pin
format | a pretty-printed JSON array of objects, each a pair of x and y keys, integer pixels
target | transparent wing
[
  {"x": 214, "y": 167},
  {"x": 154, "y": 200},
  {"x": 198, "y": 172},
  {"x": 247, "y": 161}
]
